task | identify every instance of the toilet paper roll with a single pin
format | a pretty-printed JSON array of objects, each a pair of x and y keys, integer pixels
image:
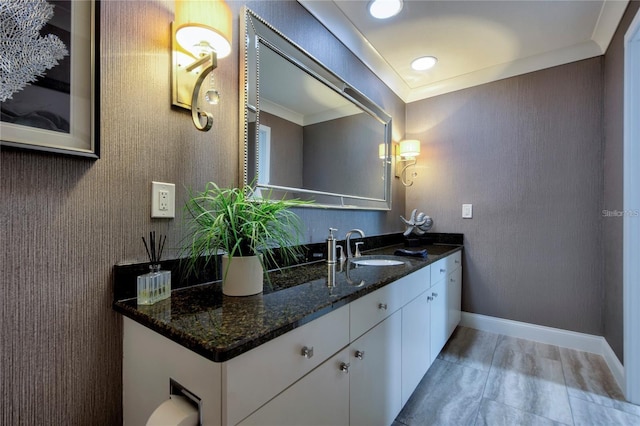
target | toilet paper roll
[{"x": 177, "y": 411}]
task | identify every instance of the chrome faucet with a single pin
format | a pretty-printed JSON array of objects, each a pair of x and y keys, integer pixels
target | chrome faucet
[{"x": 347, "y": 241}]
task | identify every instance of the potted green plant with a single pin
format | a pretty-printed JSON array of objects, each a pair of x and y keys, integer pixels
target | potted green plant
[{"x": 245, "y": 229}]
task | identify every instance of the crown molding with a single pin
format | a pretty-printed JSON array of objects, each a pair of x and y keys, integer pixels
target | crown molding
[{"x": 328, "y": 13}]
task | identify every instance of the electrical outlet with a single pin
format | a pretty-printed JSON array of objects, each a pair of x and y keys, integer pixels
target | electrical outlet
[
  {"x": 163, "y": 200},
  {"x": 467, "y": 211}
]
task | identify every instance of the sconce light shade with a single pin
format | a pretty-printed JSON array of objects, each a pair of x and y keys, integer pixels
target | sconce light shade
[
  {"x": 203, "y": 28},
  {"x": 202, "y": 25},
  {"x": 409, "y": 148}
]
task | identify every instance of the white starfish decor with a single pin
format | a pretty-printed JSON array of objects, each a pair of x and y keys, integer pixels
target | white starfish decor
[
  {"x": 24, "y": 53},
  {"x": 417, "y": 224}
]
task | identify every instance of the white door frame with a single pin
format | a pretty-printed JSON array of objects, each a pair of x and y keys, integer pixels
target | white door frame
[
  {"x": 264, "y": 155},
  {"x": 631, "y": 256}
]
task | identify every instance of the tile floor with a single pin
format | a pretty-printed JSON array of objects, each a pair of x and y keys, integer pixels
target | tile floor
[{"x": 483, "y": 378}]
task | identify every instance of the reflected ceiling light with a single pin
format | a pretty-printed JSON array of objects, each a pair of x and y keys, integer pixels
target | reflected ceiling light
[
  {"x": 424, "y": 63},
  {"x": 383, "y": 9},
  {"x": 201, "y": 35}
]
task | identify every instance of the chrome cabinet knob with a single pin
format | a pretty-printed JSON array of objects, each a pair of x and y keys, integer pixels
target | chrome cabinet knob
[
  {"x": 344, "y": 367},
  {"x": 359, "y": 354},
  {"x": 429, "y": 298},
  {"x": 382, "y": 306},
  {"x": 434, "y": 294},
  {"x": 456, "y": 261},
  {"x": 442, "y": 271},
  {"x": 307, "y": 352}
]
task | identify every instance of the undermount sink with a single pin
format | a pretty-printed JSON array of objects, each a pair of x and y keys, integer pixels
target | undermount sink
[{"x": 376, "y": 261}]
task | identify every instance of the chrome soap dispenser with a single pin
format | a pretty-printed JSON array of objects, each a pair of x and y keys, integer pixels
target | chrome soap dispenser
[{"x": 331, "y": 246}]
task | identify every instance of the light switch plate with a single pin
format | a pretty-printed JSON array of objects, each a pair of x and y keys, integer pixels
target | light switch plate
[
  {"x": 467, "y": 211},
  {"x": 163, "y": 200}
]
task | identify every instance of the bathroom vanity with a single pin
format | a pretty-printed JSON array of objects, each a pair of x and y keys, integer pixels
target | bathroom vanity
[{"x": 325, "y": 344}]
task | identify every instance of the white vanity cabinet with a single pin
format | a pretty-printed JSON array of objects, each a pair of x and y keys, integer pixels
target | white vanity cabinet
[
  {"x": 371, "y": 309},
  {"x": 416, "y": 341},
  {"x": 356, "y": 365},
  {"x": 319, "y": 398},
  {"x": 454, "y": 291},
  {"x": 438, "y": 337},
  {"x": 254, "y": 377},
  {"x": 149, "y": 361},
  {"x": 375, "y": 374},
  {"x": 445, "y": 293}
]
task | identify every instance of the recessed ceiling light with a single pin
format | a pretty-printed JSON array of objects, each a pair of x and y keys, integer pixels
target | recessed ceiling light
[
  {"x": 424, "y": 63},
  {"x": 383, "y": 9}
]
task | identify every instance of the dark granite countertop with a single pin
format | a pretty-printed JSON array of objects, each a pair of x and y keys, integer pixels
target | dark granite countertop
[{"x": 220, "y": 327}]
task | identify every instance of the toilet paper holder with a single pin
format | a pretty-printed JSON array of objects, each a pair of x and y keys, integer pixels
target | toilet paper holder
[
  {"x": 176, "y": 389},
  {"x": 183, "y": 408}
]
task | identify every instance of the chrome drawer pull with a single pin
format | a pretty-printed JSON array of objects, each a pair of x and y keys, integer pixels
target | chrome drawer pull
[
  {"x": 434, "y": 294},
  {"x": 307, "y": 352},
  {"x": 359, "y": 354},
  {"x": 382, "y": 306},
  {"x": 442, "y": 271},
  {"x": 344, "y": 367}
]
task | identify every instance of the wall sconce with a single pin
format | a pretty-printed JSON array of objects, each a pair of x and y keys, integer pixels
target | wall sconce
[
  {"x": 409, "y": 150},
  {"x": 201, "y": 34}
]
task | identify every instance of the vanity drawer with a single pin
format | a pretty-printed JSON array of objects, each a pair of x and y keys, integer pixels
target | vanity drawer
[
  {"x": 415, "y": 284},
  {"x": 256, "y": 376},
  {"x": 454, "y": 261},
  {"x": 369, "y": 310},
  {"x": 438, "y": 271}
]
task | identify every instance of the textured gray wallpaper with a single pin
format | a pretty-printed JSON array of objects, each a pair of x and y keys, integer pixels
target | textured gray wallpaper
[
  {"x": 527, "y": 153},
  {"x": 613, "y": 183},
  {"x": 330, "y": 162},
  {"x": 66, "y": 221},
  {"x": 286, "y": 151}
]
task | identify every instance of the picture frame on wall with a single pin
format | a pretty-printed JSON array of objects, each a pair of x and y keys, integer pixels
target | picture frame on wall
[{"x": 60, "y": 111}]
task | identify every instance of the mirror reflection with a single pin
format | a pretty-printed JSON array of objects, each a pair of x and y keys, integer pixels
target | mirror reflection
[{"x": 308, "y": 134}]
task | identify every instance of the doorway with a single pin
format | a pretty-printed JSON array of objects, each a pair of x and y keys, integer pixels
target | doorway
[{"x": 631, "y": 244}]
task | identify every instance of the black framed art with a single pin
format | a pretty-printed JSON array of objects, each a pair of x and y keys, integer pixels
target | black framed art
[{"x": 60, "y": 111}]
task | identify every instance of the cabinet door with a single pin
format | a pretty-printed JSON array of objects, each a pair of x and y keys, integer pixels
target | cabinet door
[
  {"x": 319, "y": 398},
  {"x": 279, "y": 363},
  {"x": 454, "y": 299},
  {"x": 416, "y": 336},
  {"x": 375, "y": 374},
  {"x": 438, "y": 318}
]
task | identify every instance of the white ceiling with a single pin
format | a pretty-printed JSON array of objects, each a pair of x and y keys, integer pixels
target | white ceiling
[{"x": 476, "y": 42}]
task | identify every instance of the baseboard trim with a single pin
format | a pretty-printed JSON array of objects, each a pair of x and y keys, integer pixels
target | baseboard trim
[{"x": 549, "y": 335}]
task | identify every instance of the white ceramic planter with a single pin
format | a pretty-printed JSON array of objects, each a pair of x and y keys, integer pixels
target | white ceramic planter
[{"x": 243, "y": 276}]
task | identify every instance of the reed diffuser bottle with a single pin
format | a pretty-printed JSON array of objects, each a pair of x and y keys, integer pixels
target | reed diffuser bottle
[{"x": 155, "y": 285}]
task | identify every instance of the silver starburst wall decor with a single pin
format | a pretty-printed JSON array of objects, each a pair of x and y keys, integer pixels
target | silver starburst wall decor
[{"x": 25, "y": 54}]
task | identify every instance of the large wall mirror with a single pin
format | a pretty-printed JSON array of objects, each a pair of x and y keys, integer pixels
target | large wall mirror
[{"x": 307, "y": 133}]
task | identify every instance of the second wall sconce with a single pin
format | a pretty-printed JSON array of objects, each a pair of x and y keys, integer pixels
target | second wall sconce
[
  {"x": 409, "y": 149},
  {"x": 201, "y": 34}
]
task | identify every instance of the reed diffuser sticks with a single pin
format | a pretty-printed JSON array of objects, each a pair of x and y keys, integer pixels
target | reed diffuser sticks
[{"x": 156, "y": 253}]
